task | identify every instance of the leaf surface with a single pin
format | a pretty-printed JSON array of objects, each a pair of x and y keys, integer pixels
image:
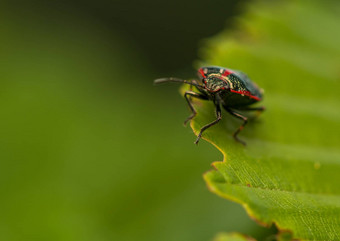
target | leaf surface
[
  {"x": 232, "y": 237},
  {"x": 289, "y": 172}
]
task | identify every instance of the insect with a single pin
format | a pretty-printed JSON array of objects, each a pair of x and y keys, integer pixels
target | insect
[{"x": 231, "y": 89}]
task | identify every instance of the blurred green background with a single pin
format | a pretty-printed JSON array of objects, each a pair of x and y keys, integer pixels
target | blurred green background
[{"x": 90, "y": 149}]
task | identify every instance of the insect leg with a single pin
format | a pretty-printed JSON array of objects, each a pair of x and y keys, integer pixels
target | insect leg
[
  {"x": 218, "y": 118},
  {"x": 245, "y": 121},
  {"x": 258, "y": 110},
  {"x": 196, "y": 95},
  {"x": 192, "y": 82}
]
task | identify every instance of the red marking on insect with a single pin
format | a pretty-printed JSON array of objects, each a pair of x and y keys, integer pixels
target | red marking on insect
[
  {"x": 246, "y": 93},
  {"x": 227, "y": 72},
  {"x": 202, "y": 72}
]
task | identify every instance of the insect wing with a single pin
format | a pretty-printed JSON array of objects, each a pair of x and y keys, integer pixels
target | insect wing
[{"x": 248, "y": 84}]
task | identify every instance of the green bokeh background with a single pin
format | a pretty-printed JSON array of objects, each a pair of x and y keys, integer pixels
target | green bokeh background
[{"x": 90, "y": 149}]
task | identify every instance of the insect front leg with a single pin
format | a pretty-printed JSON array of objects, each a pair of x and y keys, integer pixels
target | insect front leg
[
  {"x": 196, "y": 95},
  {"x": 218, "y": 118},
  {"x": 192, "y": 81},
  {"x": 245, "y": 121}
]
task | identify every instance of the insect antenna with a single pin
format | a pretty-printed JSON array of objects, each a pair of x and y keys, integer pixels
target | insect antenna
[{"x": 171, "y": 79}]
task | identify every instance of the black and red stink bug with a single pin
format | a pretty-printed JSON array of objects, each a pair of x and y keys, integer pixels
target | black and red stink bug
[{"x": 229, "y": 88}]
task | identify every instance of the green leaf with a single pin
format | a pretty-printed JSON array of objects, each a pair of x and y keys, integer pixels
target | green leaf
[
  {"x": 289, "y": 172},
  {"x": 232, "y": 237},
  {"x": 282, "y": 236}
]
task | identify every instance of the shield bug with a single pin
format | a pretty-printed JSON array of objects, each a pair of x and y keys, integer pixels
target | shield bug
[{"x": 231, "y": 89}]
